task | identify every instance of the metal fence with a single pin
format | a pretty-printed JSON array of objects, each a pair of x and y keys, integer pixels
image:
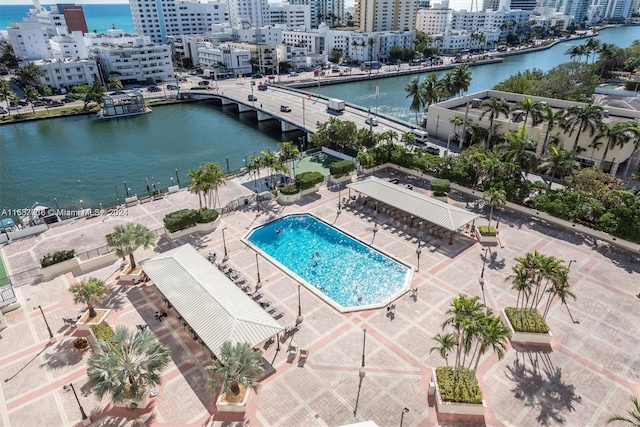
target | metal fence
[{"x": 94, "y": 253}]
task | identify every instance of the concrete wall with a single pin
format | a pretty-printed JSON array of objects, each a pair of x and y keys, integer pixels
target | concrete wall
[{"x": 19, "y": 234}]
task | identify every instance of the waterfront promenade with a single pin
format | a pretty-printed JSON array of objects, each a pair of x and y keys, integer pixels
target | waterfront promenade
[{"x": 590, "y": 370}]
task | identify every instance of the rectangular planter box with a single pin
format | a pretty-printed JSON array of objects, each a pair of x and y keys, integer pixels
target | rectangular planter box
[
  {"x": 101, "y": 317},
  {"x": 340, "y": 180},
  {"x": 308, "y": 191},
  {"x": 456, "y": 408},
  {"x": 198, "y": 228},
  {"x": 70, "y": 265},
  {"x": 233, "y": 407},
  {"x": 288, "y": 199},
  {"x": 487, "y": 240},
  {"x": 525, "y": 337}
]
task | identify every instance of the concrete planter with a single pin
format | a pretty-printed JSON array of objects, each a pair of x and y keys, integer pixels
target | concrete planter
[
  {"x": 443, "y": 199},
  {"x": 223, "y": 406},
  {"x": 311, "y": 190},
  {"x": 85, "y": 324},
  {"x": 340, "y": 180},
  {"x": 288, "y": 199},
  {"x": 134, "y": 404},
  {"x": 525, "y": 337},
  {"x": 205, "y": 228},
  {"x": 70, "y": 265},
  {"x": 456, "y": 408},
  {"x": 487, "y": 240},
  {"x": 132, "y": 277}
]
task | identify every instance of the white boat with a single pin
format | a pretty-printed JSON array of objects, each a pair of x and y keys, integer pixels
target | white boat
[
  {"x": 124, "y": 105},
  {"x": 40, "y": 214}
]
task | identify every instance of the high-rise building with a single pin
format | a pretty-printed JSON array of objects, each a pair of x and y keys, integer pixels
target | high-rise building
[
  {"x": 29, "y": 40},
  {"x": 618, "y": 10},
  {"x": 330, "y": 12},
  {"x": 254, "y": 12},
  {"x": 291, "y": 16},
  {"x": 159, "y": 19},
  {"x": 576, "y": 8},
  {"x": 385, "y": 15}
]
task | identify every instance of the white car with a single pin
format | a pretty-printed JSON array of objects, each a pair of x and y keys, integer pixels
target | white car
[{"x": 371, "y": 121}]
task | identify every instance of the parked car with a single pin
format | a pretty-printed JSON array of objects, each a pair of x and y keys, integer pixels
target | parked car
[
  {"x": 433, "y": 150},
  {"x": 257, "y": 76},
  {"x": 172, "y": 87},
  {"x": 39, "y": 104},
  {"x": 56, "y": 103},
  {"x": 371, "y": 121},
  {"x": 3, "y": 111},
  {"x": 205, "y": 83},
  {"x": 67, "y": 100},
  {"x": 285, "y": 108},
  {"x": 252, "y": 98},
  {"x": 154, "y": 89},
  {"x": 262, "y": 87}
]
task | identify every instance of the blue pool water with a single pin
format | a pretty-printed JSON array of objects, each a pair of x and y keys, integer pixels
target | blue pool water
[{"x": 349, "y": 272}]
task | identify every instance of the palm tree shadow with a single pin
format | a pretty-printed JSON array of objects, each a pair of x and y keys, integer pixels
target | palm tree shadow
[
  {"x": 495, "y": 263},
  {"x": 539, "y": 384},
  {"x": 62, "y": 355}
]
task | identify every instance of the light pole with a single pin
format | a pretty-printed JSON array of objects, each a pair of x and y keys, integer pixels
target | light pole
[
  {"x": 571, "y": 262},
  {"x": 339, "y": 203},
  {"x": 418, "y": 252},
  {"x": 85, "y": 420},
  {"x": 304, "y": 118},
  {"x": 300, "y": 317},
  {"x": 224, "y": 243},
  {"x": 364, "y": 342},
  {"x": 258, "y": 285},
  {"x": 52, "y": 339},
  {"x": 404, "y": 411}
]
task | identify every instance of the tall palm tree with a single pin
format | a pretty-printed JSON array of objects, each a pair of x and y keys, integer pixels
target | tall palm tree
[
  {"x": 414, "y": 91},
  {"x": 447, "y": 342},
  {"x": 215, "y": 178},
  {"x": 634, "y": 129},
  {"x": 494, "y": 107},
  {"x": 496, "y": 197},
  {"x": 237, "y": 365},
  {"x": 197, "y": 183},
  {"x": 492, "y": 334},
  {"x": 371, "y": 43},
  {"x": 558, "y": 160},
  {"x": 127, "y": 366},
  {"x": 446, "y": 85},
  {"x": 6, "y": 94},
  {"x": 551, "y": 119},
  {"x": 114, "y": 83},
  {"x": 289, "y": 152},
  {"x": 430, "y": 90},
  {"x": 461, "y": 79},
  {"x": 30, "y": 74},
  {"x": 32, "y": 95},
  {"x": 580, "y": 119},
  {"x": 592, "y": 46},
  {"x": 125, "y": 239},
  {"x": 90, "y": 291},
  {"x": 456, "y": 121},
  {"x": 633, "y": 418},
  {"x": 530, "y": 108},
  {"x": 618, "y": 133},
  {"x": 518, "y": 148}
]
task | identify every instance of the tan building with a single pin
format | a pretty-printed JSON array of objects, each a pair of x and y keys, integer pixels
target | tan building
[
  {"x": 469, "y": 106},
  {"x": 385, "y": 15}
]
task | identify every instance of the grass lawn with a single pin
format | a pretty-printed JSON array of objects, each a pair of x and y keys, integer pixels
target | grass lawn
[
  {"x": 4, "y": 280},
  {"x": 316, "y": 163}
]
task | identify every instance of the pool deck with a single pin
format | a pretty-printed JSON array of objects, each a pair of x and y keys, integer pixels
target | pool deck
[{"x": 591, "y": 369}]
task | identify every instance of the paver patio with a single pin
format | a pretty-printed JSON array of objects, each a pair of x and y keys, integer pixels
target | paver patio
[{"x": 590, "y": 370}]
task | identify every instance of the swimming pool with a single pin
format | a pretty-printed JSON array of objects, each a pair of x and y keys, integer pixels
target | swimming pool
[{"x": 350, "y": 273}]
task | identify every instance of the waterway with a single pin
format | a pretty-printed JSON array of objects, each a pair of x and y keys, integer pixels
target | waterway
[{"x": 80, "y": 158}]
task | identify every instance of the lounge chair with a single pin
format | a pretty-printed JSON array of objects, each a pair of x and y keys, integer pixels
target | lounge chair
[
  {"x": 291, "y": 329},
  {"x": 265, "y": 304},
  {"x": 304, "y": 354},
  {"x": 257, "y": 295},
  {"x": 434, "y": 245},
  {"x": 271, "y": 309},
  {"x": 277, "y": 314}
]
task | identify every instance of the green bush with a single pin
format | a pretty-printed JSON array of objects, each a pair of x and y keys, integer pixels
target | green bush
[
  {"x": 447, "y": 380},
  {"x": 487, "y": 230},
  {"x": 289, "y": 190},
  {"x": 440, "y": 187},
  {"x": 103, "y": 331},
  {"x": 342, "y": 168},
  {"x": 57, "y": 257},
  {"x": 207, "y": 215},
  {"x": 307, "y": 180},
  {"x": 526, "y": 320}
]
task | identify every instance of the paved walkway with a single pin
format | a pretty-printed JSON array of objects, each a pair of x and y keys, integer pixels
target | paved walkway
[{"x": 590, "y": 370}]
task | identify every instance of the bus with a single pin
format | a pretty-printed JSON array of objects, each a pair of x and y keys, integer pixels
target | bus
[{"x": 369, "y": 65}]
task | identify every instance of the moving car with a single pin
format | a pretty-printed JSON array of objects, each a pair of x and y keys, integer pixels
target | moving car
[
  {"x": 154, "y": 89},
  {"x": 252, "y": 98},
  {"x": 433, "y": 150},
  {"x": 172, "y": 87},
  {"x": 371, "y": 121},
  {"x": 262, "y": 87},
  {"x": 285, "y": 108}
]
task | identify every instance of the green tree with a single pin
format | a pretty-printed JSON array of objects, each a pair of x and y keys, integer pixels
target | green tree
[
  {"x": 521, "y": 82},
  {"x": 8, "y": 58},
  {"x": 335, "y": 133},
  {"x": 114, "y": 83},
  {"x": 215, "y": 178},
  {"x": 571, "y": 81},
  {"x": 430, "y": 90},
  {"x": 90, "y": 291},
  {"x": 494, "y": 107},
  {"x": 127, "y": 366},
  {"x": 125, "y": 239},
  {"x": 413, "y": 91},
  {"x": 551, "y": 119},
  {"x": 446, "y": 343},
  {"x": 88, "y": 93},
  {"x": 618, "y": 133},
  {"x": 461, "y": 79},
  {"x": 558, "y": 161},
  {"x": 30, "y": 74},
  {"x": 237, "y": 365},
  {"x": 32, "y": 95},
  {"x": 519, "y": 149},
  {"x": 530, "y": 108},
  {"x": 197, "y": 183},
  {"x": 633, "y": 415},
  {"x": 496, "y": 197},
  {"x": 579, "y": 119}
]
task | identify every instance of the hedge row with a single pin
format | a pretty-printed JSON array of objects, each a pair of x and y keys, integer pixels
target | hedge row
[
  {"x": 526, "y": 320},
  {"x": 103, "y": 331},
  {"x": 185, "y": 218},
  {"x": 448, "y": 380},
  {"x": 486, "y": 230},
  {"x": 440, "y": 187},
  {"x": 342, "y": 168},
  {"x": 57, "y": 257},
  {"x": 306, "y": 180}
]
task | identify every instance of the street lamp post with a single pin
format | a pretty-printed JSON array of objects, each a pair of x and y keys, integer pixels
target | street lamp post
[
  {"x": 300, "y": 317},
  {"x": 258, "y": 285},
  {"x": 339, "y": 203},
  {"x": 52, "y": 339},
  {"x": 571, "y": 262},
  {"x": 224, "y": 243},
  {"x": 418, "y": 252},
  {"x": 85, "y": 419},
  {"x": 364, "y": 342},
  {"x": 404, "y": 411}
]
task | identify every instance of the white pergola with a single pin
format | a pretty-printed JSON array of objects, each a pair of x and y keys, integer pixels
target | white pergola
[
  {"x": 208, "y": 301},
  {"x": 427, "y": 208}
]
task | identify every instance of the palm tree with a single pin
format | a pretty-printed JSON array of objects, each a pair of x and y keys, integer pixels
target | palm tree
[
  {"x": 447, "y": 342},
  {"x": 618, "y": 133},
  {"x": 289, "y": 151},
  {"x": 551, "y": 119},
  {"x": 519, "y": 149},
  {"x": 494, "y": 107},
  {"x": 530, "y": 108},
  {"x": 6, "y": 94},
  {"x": 579, "y": 119},
  {"x": 125, "y": 239},
  {"x": 90, "y": 291},
  {"x": 30, "y": 74},
  {"x": 496, "y": 197},
  {"x": 558, "y": 160},
  {"x": 635, "y": 131},
  {"x": 413, "y": 91},
  {"x": 197, "y": 183},
  {"x": 237, "y": 365},
  {"x": 492, "y": 334},
  {"x": 127, "y": 366},
  {"x": 32, "y": 95},
  {"x": 430, "y": 90},
  {"x": 214, "y": 178},
  {"x": 634, "y": 415},
  {"x": 371, "y": 42},
  {"x": 592, "y": 46},
  {"x": 461, "y": 79},
  {"x": 456, "y": 121},
  {"x": 114, "y": 83}
]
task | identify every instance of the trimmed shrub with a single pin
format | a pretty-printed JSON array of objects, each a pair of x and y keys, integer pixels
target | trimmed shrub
[
  {"x": 103, "y": 331},
  {"x": 81, "y": 343},
  {"x": 447, "y": 381},
  {"x": 185, "y": 218},
  {"x": 440, "y": 187},
  {"x": 207, "y": 215},
  {"x": 289, "y": 190},
  {"x": 526, "y": 320},
  {"x": 486, "y": 230},
  {"x": 307, "y": 180},
  {"x": 57, "y": 257},
  {"x": 342, "y": 168}
]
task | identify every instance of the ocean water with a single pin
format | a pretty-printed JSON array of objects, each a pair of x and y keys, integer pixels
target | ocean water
[{"x": 99, "y": 17}]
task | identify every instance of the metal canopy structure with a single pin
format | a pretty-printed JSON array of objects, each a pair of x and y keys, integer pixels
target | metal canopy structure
[
  {"x": 213, "y": 306},
  {"x": 414, "y": 203}
]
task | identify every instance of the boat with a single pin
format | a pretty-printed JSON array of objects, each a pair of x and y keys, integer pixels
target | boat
[
  {"x": 7, "y": 225},
  {"x": 123, "y": 105},
  {"x": 39, "y": 214}
]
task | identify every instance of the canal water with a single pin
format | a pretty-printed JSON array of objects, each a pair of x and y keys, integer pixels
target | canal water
[{"x": 80, "y": 158}]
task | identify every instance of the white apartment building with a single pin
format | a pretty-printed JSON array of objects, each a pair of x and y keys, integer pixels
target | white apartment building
[
  {"x": 53, "y": 22},
  {"x": 435, "y": 20},
  {"x": 64, "y": 73},
  {"x": 186, "y": 46},
  {"x": 69, "y": 46},
  {"x": 159, "y": 19},
  {"x": 330, "y": 12},
  {"x": 29, "y": 41},
  {"x": 264, "y": 56},
  {"x": 270, "y": 34},
  {"x": 618, "y": 10},
  {"x": 385, "y": 15},
  {"x": 314, "y": 11},
  {"x": 254, "y": 12},
  {"x": 131, "y": 58},
  {"x": 291, "y": 16},
  {"x": 226, "y": 60}
]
